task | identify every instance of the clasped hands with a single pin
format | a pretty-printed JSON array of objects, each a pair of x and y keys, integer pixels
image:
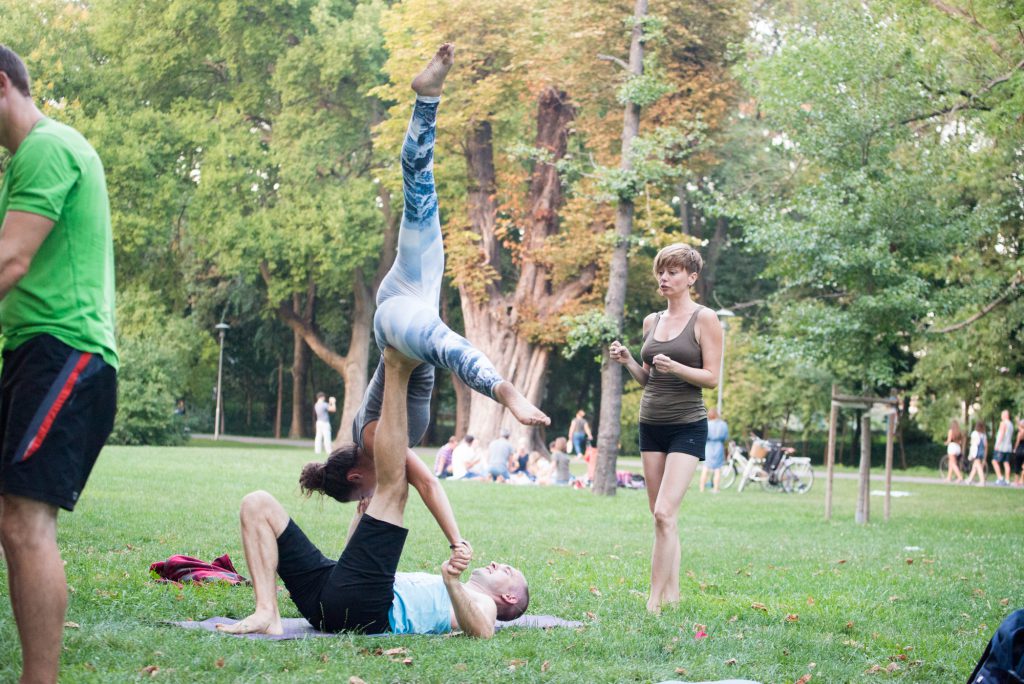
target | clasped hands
[{"x": 458, "y": 562}]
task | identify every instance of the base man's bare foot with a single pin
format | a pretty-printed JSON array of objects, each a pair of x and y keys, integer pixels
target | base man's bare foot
[
  {"x": 526, "y": 413},
  {"x": 255, "y": 624},
  {"x": 399, "y": 361},
  {"x": 430, "y": 80}
]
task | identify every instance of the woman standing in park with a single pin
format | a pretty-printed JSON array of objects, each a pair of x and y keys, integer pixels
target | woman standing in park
[
  {"x": 681, "y": 352},
  {"x": 954, "y": 447},
  {"x": 977, "y": 452},
  {"x": 714, "y": 452}
]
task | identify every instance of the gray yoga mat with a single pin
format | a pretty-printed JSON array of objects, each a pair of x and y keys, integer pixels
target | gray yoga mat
[{"x": 299, "y": 628}]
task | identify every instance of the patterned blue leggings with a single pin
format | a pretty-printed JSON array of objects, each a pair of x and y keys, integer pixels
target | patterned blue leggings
[{"x": 409, "y": 296}]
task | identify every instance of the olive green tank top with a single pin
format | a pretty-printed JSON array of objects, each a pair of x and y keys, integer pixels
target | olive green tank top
[{"x": 667, "y": 398}]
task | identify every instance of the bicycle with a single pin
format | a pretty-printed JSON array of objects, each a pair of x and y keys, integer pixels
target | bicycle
[{"x": 773, "y": 466}]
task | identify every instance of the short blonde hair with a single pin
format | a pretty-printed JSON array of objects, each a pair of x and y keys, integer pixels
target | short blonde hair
[{"x": 680, "y": 256}]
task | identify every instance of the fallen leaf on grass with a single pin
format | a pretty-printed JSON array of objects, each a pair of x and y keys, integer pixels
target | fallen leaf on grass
[
  {"x": 849, "y": 625},
  {"x": 1004, "y": 602},
  {"x": 75, "y": 625},
  {"x": 460, "y": 667},
  {"x": 894, "y": 598},
  {"x": 394, "y": 651},
  {"x": 407, "y": 662},
  {"x": 759, "y": 606},
  {"x": 910, "y": 561},
  {"x": 874, "y": 669},
  {"x": 356, "y": 680},
  {"x": 841, "y": 561},
  {"x": 545, "y": 666},
  {"x": 219, "y": 663},
  {"x": 734, "y": 618},
  {"x": 595, "y": 591},
  {"x": 811, "y": 666},
  {"x": 324, "y": 657},
  {"x": 730, "y": 661},
  {"x": 151, "y": 670},
  {"x": 810, "y": 600},
  {"x": 591, "y": 615},
  {"x": 681, "y": 670},
  {"x": 792, "y": 617},
  {"x": 803, "y": 680},
  {"x": 979, "y": 593},
  {"x": 517, "y": 662},
  {"x": 892, "y": 667}
]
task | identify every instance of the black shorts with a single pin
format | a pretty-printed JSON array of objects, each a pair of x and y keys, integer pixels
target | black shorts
[
  {"x": 1018, "y": 458},
  {"x": 679, "y": 438},
  {"x": 353, "y": 594},
  {"x": 56, "y": 411}
]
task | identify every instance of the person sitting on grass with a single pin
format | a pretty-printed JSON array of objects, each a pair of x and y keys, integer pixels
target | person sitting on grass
[{"x": 362, "y": 591}]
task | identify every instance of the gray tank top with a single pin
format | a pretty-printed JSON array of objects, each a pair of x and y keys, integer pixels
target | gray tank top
[{"x": 667, "y": 398}]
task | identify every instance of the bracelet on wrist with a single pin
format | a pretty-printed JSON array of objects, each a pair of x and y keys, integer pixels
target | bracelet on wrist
[{"x": 461, "y": 542}]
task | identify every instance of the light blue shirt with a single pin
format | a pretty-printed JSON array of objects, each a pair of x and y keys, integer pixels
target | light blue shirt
[
  {"x": 718, "y": 433},
  {"x": 421, "y": 605}
]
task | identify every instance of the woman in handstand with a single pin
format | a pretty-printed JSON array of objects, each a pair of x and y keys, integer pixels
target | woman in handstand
[{"x": 407, "y": 319}]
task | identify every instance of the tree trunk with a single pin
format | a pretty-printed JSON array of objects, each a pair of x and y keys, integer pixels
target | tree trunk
[
  {"x": 300, "y": 364},
  {"x": 706, "y": 282},
  {"x": 615, "y": 300},
  {"x": 280, "y": 398},
  {"x": 493, "y": 317}
]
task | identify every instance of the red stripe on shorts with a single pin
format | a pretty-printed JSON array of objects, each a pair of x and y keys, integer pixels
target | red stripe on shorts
[{"x": 51, "y": 415}]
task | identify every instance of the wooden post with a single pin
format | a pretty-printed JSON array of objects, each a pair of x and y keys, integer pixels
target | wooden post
[
  {"x": 890, "y": 430},
  {"x": 864, "y": 493},
  {"x": 830, "y": 457}
]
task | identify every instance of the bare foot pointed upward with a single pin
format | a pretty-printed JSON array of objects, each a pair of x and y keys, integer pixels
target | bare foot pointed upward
[{"x": 430, "y": 80}]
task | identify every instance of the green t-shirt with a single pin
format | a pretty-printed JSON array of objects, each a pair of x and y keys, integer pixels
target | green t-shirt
[{"x": 68, "y": 291}]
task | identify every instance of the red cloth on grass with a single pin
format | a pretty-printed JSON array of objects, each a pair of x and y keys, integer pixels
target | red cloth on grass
[{"x": 187, "y": 569}]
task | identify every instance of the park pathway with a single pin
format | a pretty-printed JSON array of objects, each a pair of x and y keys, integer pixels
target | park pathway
[{"x": 629, "y": 462}]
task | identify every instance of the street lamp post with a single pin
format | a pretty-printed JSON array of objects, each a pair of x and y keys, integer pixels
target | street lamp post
[
  {"x": 221, "y": 328},
  {"x": 723, "y": 315}
]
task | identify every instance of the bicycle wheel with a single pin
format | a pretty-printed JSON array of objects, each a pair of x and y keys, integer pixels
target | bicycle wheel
[
  {"x": 798, "y": 478},
  {"x": 943, "y": 465},
  {"x": 776, "y": 483},
  {"x": 728, "y": 475}
]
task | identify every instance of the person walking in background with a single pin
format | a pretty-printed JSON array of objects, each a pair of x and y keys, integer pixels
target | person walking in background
[
  {"x": 1018, "y": 450},
  {"x": 714, "y": 451},
  {"x": 499, "y": 454},
  {"x": 1002, "y": 450},
  {"x": 60, "y": 357},
  {"x": 977, "y": 452},
  {"x": 954, "y": 447},
  {"x": 681, "y": 352},
  {"x": 465, "y": 460},
  {"x": 443, "y": 460},
  {"x": 322, "y": 410},
  {"x": 579, "y": 433}
]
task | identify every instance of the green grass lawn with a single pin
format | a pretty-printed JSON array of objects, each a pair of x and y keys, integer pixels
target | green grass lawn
[{"x": 781, "y": 593}]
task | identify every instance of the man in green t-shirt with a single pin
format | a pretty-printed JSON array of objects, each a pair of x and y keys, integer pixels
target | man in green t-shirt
[{"x": 58, "y": 387}]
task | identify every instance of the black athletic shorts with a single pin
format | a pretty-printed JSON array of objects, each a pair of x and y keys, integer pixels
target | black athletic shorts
[
  {"x": 679, "y": 438},
  {"x": 56, "y": 411},
  {"x": 353, "y": 594}
]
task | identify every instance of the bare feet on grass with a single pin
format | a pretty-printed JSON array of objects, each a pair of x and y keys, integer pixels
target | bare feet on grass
[
  {"x": 526, "y": 413},
  {"x": 430, "y": 80},
  {"x": 257, "y": 623}
]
